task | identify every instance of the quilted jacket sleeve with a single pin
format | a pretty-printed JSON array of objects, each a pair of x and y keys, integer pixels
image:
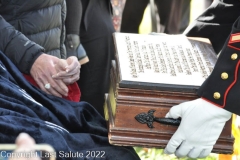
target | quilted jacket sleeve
[{"x": 17, "y": 47}]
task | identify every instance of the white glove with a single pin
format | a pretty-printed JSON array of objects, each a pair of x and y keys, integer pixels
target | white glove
[{"x": 201, "y": 125}]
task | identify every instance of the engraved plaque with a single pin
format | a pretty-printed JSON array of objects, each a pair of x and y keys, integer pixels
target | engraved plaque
[{"x": 167, "y": 62}]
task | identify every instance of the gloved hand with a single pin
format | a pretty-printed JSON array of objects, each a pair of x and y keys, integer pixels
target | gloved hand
[{"x": 201, "y": 125}]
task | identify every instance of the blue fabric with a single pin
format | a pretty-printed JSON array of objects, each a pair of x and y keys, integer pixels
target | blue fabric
[{"x": 67, "y": 126}]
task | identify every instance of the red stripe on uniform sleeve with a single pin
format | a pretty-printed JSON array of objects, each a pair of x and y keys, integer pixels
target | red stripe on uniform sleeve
[
  {"x": 234, "y": 38},
  {"x": 233, "y": 47},
  {"x": 228, "y": 89},
  {"x": 235, "y": 80},
  {"x": 212, "y": 102}
]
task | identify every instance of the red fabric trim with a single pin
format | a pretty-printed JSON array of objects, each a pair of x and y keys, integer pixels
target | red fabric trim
[
  {"x": 212, "y": 102},
  {"x": 74, "y": 92},
  {"x": 235, "y": 80},
  {"x": 234, "y": 41},
  {"x": 228, "y": 89},
  {"x": 233, "y": 47}
]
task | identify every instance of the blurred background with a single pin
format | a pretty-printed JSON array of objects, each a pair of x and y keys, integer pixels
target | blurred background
[
  {"x": 196, "y": 8},
  {"x": 150, "y": 23}
]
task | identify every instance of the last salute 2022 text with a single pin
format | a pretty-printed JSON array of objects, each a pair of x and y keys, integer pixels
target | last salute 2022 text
[{"x": 86, "y": 154}]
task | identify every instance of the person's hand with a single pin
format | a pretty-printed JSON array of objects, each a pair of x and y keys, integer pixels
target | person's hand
[
  {"x": 42, "y": 71},
  {"x": 68, "y": 70},
  {"x": 25, "y": 144},
  {"x": 201, "y": 125}
]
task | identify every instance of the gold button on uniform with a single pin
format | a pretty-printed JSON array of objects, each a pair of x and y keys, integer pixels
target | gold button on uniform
[
  {"x": 216, "y": 95},
  {"x": 234, "y": 56},
  {"x": 224, "y": 75}
]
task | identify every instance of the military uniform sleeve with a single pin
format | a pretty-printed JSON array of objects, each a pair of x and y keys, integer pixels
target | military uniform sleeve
[
  {"x": 222, "y": 87},
  {"x": 17, "y": 47},
  {"x": 216, "y": 22}
]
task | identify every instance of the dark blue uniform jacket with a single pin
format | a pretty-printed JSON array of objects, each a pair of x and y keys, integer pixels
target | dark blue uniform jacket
[{"x": 221, "y": 24}]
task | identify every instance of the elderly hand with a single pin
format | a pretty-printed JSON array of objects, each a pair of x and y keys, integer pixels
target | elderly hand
[
  {"x": 68, "y": 70},
  {"x": 25, "y": 144},
  {"x": 201, "y": 125},
  {"x": 42, "y": 70}
]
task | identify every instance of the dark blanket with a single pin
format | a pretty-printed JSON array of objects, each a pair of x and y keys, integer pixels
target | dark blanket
[{"x": 67, "y": 126}]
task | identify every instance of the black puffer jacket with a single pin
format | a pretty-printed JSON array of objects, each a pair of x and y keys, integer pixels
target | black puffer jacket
[{"x": 41, "y": 21}]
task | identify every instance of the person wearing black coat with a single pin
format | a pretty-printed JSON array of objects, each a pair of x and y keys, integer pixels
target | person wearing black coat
[
  {"x": 174, "y": 15},
  {"x": 95, "y": 33},
  {"x": 73, "y": 21},
  {"x": 203, "y": 119},
  {"x": 32, "y": 36}
]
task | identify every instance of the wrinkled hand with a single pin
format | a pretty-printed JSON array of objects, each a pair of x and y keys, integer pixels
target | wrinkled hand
[
  {"x": 201, "y": 125},
  {"x": 42, "y": 70},
  {"x": 68, "y": 70}
]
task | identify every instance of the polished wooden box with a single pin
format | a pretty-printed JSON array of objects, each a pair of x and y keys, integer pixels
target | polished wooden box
[
  {"x": 123, "y": 104},
  {"x": 127, "y": 99}
]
